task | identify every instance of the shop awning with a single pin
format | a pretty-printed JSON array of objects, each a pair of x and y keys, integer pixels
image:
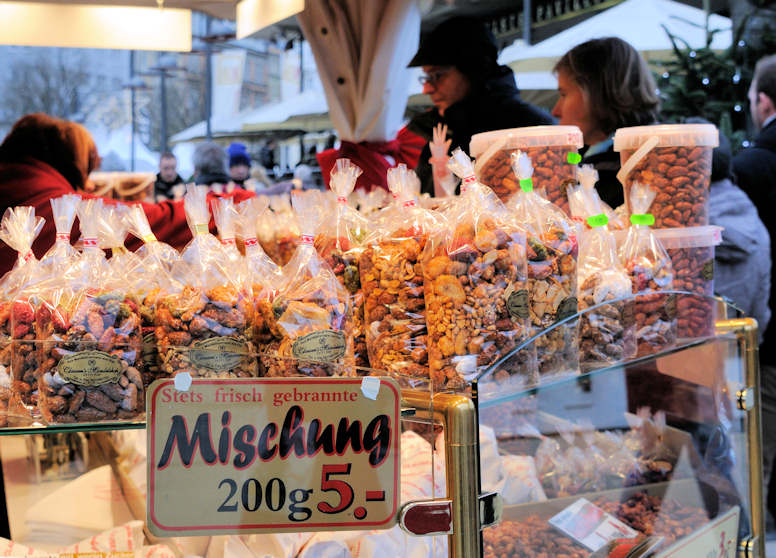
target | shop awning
[{"x": 640, "y": 22}]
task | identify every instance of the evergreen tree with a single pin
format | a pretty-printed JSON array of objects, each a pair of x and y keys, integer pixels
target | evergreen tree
[{"x": 713, "y": 84}]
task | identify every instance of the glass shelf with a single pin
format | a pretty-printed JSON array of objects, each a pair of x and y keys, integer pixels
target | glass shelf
[
  {"x": 493, "y": 393},
  {"x": 39, "y": 428}
]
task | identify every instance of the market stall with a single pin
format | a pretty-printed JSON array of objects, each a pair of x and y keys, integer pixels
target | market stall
[{"x": 334, "y": 373}]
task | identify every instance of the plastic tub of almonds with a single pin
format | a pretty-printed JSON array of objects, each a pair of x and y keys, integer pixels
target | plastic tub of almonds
[
  {"x": 692, "y": 256},
  {"x": 675, "y": 159},
  {"x": 553, "y": 151}
]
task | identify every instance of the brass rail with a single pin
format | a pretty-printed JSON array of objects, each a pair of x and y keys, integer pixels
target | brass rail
[
  {"x": 745, "y": 330},
  {"x": 457, "y": 414}
]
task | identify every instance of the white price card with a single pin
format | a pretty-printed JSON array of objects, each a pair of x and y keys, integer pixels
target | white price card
[
  {"x": 272, "y": 455},
  {"x": 590, "y": 526}
]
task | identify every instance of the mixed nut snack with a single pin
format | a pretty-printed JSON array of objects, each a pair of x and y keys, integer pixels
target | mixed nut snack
[
  {"x": 474, "y": 285},
  {"x": 5, "y": 360},
  {"x": 691, "y": 250},
  {"x": 310, "y": 315},
  {"x": 651, "y": 515},
  {"x": 531, "y": 537},
  {"x": 650, "y": 270},
  {"x": 89, "y": 338},
  {"x": 534, "y": 537},
  {"x": 674, "y": 159},
  {"x": 551, "y": 251},
  {"x": 90, "y": 359},
  {"x": 607, "y": 332},
  {"x": 205, "y": 328},
  {"x": 392, "y": 280},
  {"x": 340, "y": 244},
  {"x": 552, "y": 149}
]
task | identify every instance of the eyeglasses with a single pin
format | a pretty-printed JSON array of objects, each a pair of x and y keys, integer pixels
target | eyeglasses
[{"x": 433, "y": 77}]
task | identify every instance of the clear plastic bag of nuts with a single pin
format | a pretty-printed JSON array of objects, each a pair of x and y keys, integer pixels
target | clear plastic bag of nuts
[
  {"x": 587, "y": 177},
  {"x": 651, "y": 272},
  {"x": 136, "y": 276},
  {"x": 392, "y": 280},
  {"x": 607, "y": 330},
  {"x": 551, "y": 250},
  {"x": 89, "y": 338},
  {"x": 340, "y": 243},
  {"x": 263, "y": 276},
  {"x": 62, "y": 253},
  {"x": 675, "y": 160},
  {"x": 157, "y": 260},
  {"x": 18, "y": 229},
  {"x": 204, "y": 325},
  {"x": 310, "y": 314},
  {"x": 280, "y": 237},
  {"x": 474, "y": 274},
  {"x": 552, "y": 149}
]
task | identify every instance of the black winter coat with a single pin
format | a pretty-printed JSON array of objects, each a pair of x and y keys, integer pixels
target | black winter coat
[
  {"x": 607, "y": 163},
  {"x": 755, "y": 168},
  {"x": 494, "y": 105}
]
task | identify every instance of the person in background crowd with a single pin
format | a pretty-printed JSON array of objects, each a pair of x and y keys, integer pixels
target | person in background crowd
[
  {"x": 755, "y": 169},
  {"x": 210, "y": 161},
  {"x": 43, "y": 158},
  {"x": 267, "y": 155},
  {"x": 239, "y": 163},
  {"x": 167, "y": 177},
  {"x": 471, "y": 92},
  {"x": 604, "y": 84},
  {"x": 742, "y": 262}
]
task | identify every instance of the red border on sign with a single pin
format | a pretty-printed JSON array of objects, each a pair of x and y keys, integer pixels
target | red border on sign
[{"x": 290, "y": 526}]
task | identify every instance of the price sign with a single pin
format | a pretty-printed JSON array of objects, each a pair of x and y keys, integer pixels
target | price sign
[
  {"x": 272, "y": 455},
  {"x": 715, "y": 540}
]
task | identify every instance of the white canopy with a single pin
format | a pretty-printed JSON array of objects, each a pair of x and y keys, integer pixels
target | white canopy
[
  {"x": 361, "y": 50},
  {"x": 637, "y": 21},
  {"x": 273, "y": 116}
]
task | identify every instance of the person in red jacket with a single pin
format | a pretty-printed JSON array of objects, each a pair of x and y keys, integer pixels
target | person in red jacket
[{"x": 43, "y": 157}]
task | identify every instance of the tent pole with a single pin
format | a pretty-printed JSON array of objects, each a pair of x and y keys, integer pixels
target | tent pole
[{"x": 527, "y": 21}]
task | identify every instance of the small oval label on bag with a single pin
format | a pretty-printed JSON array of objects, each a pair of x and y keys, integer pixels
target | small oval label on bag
[
  {"x": 517, "y": 304},
  {"x": 670, "y": 307},
  {"x": 218, "y": 353},
  {"x": 90, "y": 368},
  {"x": 567, "y": 307},
  {"x": 708, "y": 271},
  {"x": 320, "y": 346}
]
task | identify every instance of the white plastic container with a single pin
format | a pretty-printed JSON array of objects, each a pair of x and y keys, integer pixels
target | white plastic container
[
  {"x": 675, "y": 160},
  {"x": 553, "y": 151},
  {"x": 692, "y": 256}
]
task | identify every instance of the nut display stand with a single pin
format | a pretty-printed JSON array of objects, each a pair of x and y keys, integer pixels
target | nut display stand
[{"x": 668, "y": 445}]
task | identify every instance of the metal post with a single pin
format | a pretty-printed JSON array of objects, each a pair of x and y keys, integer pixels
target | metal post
[
  {"x": 745, "y": 330},
  {"x": 459, "y": 420},
  {"x": 301, "y": 65},
  {"x": 527, "y": 21},
  {"x": 208, "y": 80},
  {"x": 132, "y": 109},
  {"x": 163, "y": 119}
]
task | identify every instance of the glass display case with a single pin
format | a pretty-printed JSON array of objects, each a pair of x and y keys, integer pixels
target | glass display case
[{"x": 667, "y": 444}]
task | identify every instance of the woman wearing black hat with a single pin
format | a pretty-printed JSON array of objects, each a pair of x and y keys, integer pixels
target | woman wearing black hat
[{"x": 471, "y": 92}]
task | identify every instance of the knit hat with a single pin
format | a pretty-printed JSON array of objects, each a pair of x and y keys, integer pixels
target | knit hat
[
  {"x": 463, "y": 42},
  {"x": 238, "y": 155}
]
